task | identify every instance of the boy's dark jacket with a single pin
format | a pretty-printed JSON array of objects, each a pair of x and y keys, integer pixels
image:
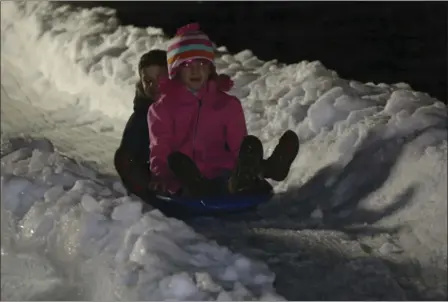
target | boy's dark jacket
[{"x": 132, "y": 157}]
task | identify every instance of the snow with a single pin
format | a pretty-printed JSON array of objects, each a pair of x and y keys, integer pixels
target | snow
[
  {"x": 106, "y": 238},
  {"x": 362, "y": 214}
]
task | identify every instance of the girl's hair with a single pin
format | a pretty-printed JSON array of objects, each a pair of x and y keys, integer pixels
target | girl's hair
[{"x": 153, "y": 57}]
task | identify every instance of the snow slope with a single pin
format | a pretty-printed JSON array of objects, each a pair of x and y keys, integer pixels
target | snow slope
[{"x": 361, "y": 216}]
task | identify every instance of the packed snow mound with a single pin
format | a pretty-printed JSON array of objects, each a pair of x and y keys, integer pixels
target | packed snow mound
[{"x": 56, "y": 207}]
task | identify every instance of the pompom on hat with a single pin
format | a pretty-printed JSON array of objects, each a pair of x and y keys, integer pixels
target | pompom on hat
[{"x": 189, "y": 43}]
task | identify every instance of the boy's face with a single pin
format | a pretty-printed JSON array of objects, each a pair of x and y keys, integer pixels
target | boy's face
[
  {"x": 150, "y": 79},
  {"x": 195, "y": 73}
]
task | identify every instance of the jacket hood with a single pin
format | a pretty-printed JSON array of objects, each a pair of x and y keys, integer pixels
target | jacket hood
[{"x": 141, "y": 100}]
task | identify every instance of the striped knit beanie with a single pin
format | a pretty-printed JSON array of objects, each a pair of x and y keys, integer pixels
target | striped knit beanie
[{"x": 188, "y": 44}]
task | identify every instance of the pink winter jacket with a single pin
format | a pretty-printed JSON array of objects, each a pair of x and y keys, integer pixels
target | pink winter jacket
[{"x": 208, "y": 127}]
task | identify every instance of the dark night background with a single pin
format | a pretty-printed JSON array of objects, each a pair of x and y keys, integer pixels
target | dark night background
[{"x": 385, "y": 42}]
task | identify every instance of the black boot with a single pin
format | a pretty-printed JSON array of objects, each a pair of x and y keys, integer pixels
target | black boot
[
  {"x": 247, "y": 175},
  {"x": 194, "y": 184},
  {"x": 277, "y": 166}
]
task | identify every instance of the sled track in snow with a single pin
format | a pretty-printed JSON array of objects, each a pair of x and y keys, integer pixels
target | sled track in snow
[
  {"x": 313, "y": 263},
  {"x": 316, "y": 265},
  {"x": 74, "y": 131}
]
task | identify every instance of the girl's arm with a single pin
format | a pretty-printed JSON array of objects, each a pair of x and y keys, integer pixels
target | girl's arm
[
  {"x": 160, "y": 126},
  {"x": 236, "y": 126}
]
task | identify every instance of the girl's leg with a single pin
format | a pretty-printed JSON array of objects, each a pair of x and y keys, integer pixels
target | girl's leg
[
  {"x": 189, "y": 175},
  {"x": 277, "y": 166}
]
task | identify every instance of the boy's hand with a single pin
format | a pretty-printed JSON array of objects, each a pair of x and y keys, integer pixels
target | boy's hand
[{"x": 157, "y": 186}]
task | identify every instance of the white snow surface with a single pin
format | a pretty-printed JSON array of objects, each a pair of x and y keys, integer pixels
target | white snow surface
[
  {"x": 369, "y": 187},
  {"x": 51, "y": 207}
]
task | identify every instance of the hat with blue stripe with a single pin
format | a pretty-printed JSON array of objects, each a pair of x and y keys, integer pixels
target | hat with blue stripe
[{"x": 189, "y": 43}]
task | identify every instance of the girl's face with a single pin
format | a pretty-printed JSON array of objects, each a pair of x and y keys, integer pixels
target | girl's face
[
  {"x": 150, "y": 79},
  {"x": 195, "y": 73}
]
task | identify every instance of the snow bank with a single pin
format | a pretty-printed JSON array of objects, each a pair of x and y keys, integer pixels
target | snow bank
[
  {"x": 60, "y": 211},
  {"x": 95, "y": 59},
  {"x": 84, "y": 52}
]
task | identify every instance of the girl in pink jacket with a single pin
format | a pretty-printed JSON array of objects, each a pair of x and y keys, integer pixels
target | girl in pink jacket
[{"x": 198, "y": 133}]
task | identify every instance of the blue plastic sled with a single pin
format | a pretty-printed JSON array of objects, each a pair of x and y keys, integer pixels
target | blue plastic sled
[{"x": 179, "y": 206}]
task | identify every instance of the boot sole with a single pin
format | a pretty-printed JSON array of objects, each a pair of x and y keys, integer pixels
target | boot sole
[
  {"x": 284, "y": 158},
  {"x": 249, "y": 168}
]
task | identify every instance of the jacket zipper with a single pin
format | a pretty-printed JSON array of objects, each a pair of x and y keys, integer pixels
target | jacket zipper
[{"x": 196, "y": 129}]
